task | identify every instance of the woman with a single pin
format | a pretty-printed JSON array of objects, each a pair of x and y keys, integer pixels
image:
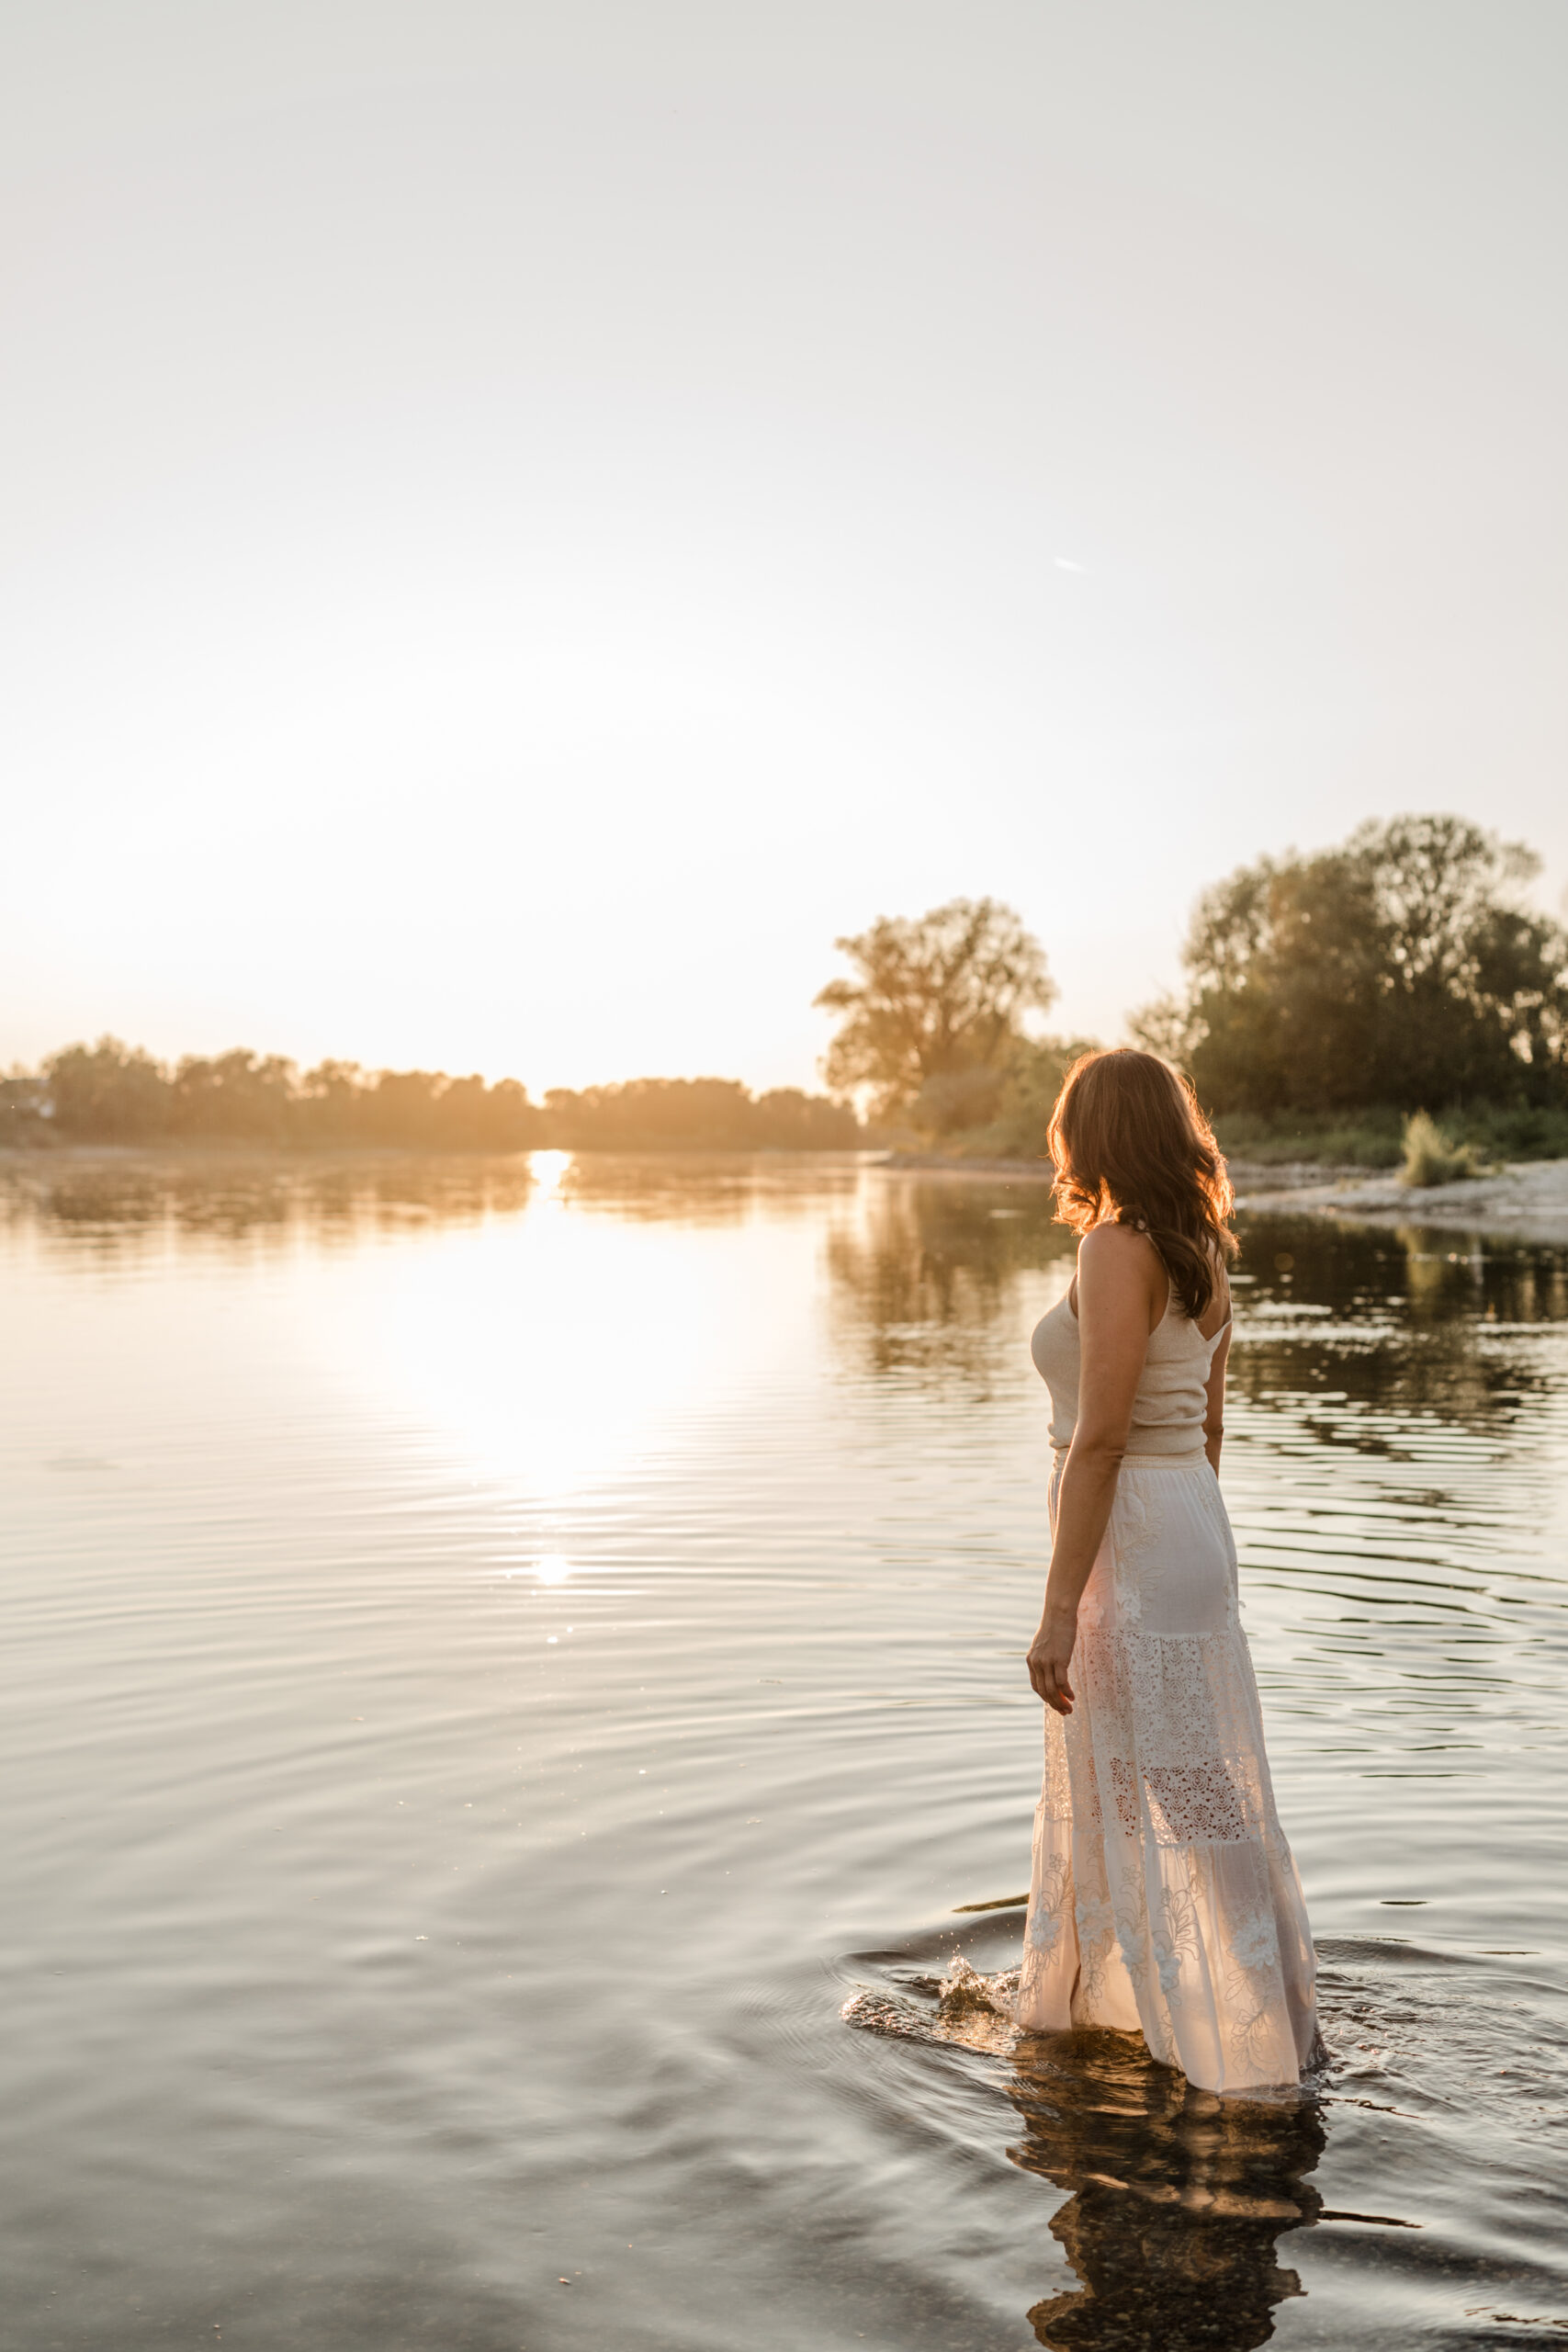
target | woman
[{"x": 1164, "y": 1898}]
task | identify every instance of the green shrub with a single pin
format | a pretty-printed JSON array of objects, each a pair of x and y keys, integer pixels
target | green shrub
[
  {"x": 1430, "y": 1158},
  {"x": 1522, "y": 1131},
  {"x": 1329, "y": 1138},
  {"x": 1375, "y": 1137}
]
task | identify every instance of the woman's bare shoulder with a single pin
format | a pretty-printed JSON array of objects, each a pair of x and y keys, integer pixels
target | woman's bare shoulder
[
  {"x": 1107, "y": 1244},
  {"x": 1122, "y": 1252}
]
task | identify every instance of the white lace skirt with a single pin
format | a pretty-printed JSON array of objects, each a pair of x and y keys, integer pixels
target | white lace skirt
[{"x": 1164, "y": 1897}]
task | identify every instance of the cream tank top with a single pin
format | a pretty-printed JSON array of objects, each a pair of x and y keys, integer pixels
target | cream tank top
[{"x": 1167, "y": 1410}]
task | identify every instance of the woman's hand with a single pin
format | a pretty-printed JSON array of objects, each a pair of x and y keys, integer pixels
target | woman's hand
[{"x": 1050, "y": 1654}]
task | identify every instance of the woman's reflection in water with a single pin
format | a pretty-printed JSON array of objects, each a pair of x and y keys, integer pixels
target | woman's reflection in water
[{"x": 1179, "y": 2198}]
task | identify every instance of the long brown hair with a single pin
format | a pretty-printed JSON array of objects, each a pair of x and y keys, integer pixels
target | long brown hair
[{"x": 1130, "y": 1146}]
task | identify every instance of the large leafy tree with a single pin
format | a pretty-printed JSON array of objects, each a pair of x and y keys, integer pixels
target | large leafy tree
[
  {"x": 1404, "y": 966},
  {"x": 933, "y": 1002}
]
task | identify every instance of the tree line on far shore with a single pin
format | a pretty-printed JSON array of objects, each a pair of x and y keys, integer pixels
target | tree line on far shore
[
  {"x": 114, "y": 1093},
  {"x": 1327, "y": 998}
]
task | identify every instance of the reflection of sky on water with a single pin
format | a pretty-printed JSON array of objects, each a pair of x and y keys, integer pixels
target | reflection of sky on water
[
  {"x": 121, "y": 1206},
  {"x": 925, "y": 1277},
  {"x": 930, "y": 1280},
  {"x": 557, "y": 1353},
  {"x": 604, "y": 1580},
  {"x": 550, "y": 1352}
]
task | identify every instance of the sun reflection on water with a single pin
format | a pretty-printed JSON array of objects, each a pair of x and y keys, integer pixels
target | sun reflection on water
[
  {"x": 549, "y": 1169},
  {"x": 555, "y": 1355}
]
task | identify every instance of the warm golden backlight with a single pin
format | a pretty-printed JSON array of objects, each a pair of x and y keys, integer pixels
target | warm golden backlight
[{"x": 562, "y": 1353}]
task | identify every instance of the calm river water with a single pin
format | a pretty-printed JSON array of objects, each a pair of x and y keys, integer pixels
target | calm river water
[{"x": 499, "y": 1653}]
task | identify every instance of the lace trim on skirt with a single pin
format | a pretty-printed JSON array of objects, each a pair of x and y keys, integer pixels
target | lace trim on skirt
[{"x": 1165, "y": 1898}]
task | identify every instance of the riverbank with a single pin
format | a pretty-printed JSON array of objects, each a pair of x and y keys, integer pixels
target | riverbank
[
  {"x": 1274, "y": 1177},
  {"x": 1526, "y": 1199}
]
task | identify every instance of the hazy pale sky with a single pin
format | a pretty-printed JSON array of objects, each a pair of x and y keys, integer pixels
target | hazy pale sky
[{"x": 522, "y": 521}]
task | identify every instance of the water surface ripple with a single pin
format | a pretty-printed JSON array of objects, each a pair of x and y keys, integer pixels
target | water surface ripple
[{"x": 501, "y": 1654}]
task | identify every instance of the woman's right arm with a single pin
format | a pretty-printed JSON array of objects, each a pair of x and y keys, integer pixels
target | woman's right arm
[
  {"x": 1214, "y": 1403},
  {"x": 1122, "y": 1289}
]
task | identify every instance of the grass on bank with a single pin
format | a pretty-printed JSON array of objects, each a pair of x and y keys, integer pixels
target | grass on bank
[
  {"x": 1459, "y": 1142},
  {"x": 1431, "y": 1158},
  {"x": 1463, "y": 1141}
]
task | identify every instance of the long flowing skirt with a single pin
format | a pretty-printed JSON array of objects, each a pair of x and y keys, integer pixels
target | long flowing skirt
[{"x": 1164, "y": 1898}]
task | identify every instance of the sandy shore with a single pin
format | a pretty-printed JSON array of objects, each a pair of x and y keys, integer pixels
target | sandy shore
[{"x": 1526, "y": 1200}]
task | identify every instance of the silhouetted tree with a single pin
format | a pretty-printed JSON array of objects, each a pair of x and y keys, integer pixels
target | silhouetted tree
[
  {"x": 696, "y": 1115},
  {"x": 234, "y": 1094},
  {"x": 331, "y": 1102},
  {"x": 109, "y": 1092},
  {"x": 505, "y": 1119},
  {"x": 788, "y": 1119},
  {"x": 1403, "y": 967},
  {"x": 936, "y": 999},
  {"x": 112, "y": 1093}
]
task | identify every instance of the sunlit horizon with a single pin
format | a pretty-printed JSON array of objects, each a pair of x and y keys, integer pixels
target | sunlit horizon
[{"x": 524, "y": 526}]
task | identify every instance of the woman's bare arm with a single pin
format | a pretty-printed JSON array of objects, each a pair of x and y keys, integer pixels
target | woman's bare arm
[
  {"x": 1214, "y": 1403},
  {"x": 1123, "y": 1291}
]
